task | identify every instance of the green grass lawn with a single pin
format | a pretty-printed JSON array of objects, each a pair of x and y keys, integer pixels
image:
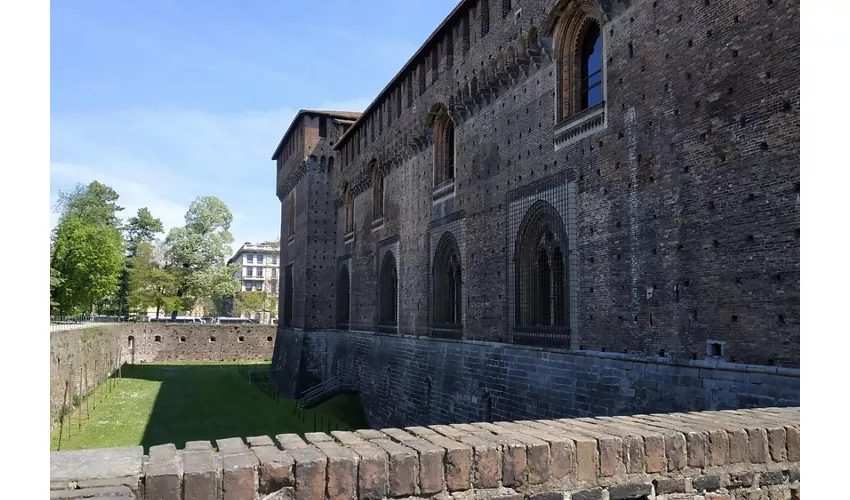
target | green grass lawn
[{"x": 177, "y": 402}]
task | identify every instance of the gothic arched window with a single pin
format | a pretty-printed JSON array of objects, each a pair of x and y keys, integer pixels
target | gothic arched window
[
  {"x": 540, "y": 267},
  {"x": 579, "y": 56},
  {"x": 388, "y": 293},
  {"x": 447, "y": 286}
]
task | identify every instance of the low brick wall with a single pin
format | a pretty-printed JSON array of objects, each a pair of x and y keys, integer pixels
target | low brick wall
[
  {"x": 152, "y": 342},
  {"x": 79, "y": 361},
  {"x": 83, "y": 358},
  {"x": 408, "y": 380},
  {"x": 742, "y": 454}
]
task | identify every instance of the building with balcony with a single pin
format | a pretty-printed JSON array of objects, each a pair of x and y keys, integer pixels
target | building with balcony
[{"x": 259, "y": 270}]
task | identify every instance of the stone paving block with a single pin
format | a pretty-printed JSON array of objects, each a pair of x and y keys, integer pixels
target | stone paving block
[
  {"x": 371, "y": 434},
  {"x": 317, "y": 437},
  {"x": 162, "y": 452},
  {"x": 562, "y": 453},
  {"x": 586, "y": 449},
  {"x": 201, "y": 475},
  {"x": 291, "y": 442},
  {"x": 403, "y": 467},
  {"x": 255, "y": 441},
  {"x": 536, "y": 452},
  {"x": 102, "y": 463},
  {"x": 198, "y": 446},
  {"x": 458, "y": 459},
  {"x": 347, "y": 437},
  {"x": 341, "y": 471},
  {"x": 372, "y": 472},
  {"x": 164, "y": 477},
  {"x": 231, "y": 446},
  {"x": 431, "y": 459},
  {"x": 239, "y": 476},
  {"x": 275, "y": 469},
  {"x": 310, "y": 467}
]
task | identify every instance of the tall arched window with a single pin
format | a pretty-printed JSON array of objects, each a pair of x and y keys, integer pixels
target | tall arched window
[
  {"x": 579, "y": 55},
  {"x": 591, "y": 67},
  {"x": 541, "y": 280},
  {"x": 388, "y": 292},
  {"x": 447, "y": 288},
  {"x": 444, "y": 145},
  {"x": 377, "y": 192},
  {"x": 342, "y": 299}
]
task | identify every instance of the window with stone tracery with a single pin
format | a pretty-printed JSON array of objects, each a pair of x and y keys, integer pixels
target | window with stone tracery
[
  {"x": 447, "y": 283},
  {"x": 540, "y": 267}
]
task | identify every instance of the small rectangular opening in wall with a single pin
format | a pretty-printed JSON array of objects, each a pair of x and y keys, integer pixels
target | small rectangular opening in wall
[{"x": 715, "y": 349}]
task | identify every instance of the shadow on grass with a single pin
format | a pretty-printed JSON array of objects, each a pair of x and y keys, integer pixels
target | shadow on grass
[{"x": 214, "y": 401}]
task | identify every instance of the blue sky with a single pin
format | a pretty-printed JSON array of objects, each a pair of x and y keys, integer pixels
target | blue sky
[{"x": 169, "y": 100}]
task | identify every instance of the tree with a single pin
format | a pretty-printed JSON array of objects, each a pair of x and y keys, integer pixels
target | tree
[
  {"x": 55, "y": 281},
  {"x": 141, "y": 228},
  {"x": 250, "y": 302},
  {"x": 94, "y": 204},
  {"x": 89, "y": 259},
  {"x": 215, "y": 284},
  {"x": 87, "y": 247},
  {"x": 197, "y": 251},
  {"x": 150, "y": 284}
]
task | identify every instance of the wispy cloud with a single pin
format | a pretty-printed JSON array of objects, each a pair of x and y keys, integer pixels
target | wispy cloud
[{"x": 164, "y": 158}]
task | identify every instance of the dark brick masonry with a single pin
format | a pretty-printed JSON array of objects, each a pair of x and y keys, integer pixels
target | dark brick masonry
[
  {"x": 408, "y": 380},
  {"x": 679, "y": 197}
]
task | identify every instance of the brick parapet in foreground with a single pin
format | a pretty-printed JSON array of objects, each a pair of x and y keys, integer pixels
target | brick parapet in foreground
[{"x": 701, "y": 455}]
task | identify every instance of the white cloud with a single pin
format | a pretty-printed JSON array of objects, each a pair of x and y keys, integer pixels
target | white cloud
[
  {"x": 164, "y": 158},
  {"x": 132, "y": 195}
]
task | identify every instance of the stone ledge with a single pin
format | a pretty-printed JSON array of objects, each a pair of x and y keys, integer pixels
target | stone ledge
[
  {"x": 668, "y": 455},
  {"x": 687, "y": 363}
]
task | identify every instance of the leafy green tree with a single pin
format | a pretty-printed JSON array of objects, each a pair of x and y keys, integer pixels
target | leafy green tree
[
  {"x": 86, "y": 248},
  {"x": 250, "y": 302},
  {"x": 55, "y": 281},
  {"x": 141, "y": 228},
  {"x": 215, "y": 284},
  {"x": 197, "y": 251},
  {"x": 94, "y": 204},
  {"x": 150, "y": 284},
  {"x": 89, "y": 259}
]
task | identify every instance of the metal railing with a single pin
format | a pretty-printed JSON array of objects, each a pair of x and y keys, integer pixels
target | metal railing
[
  {"x": 318, "y": 393},
  {"x": 59, "y": 323}
]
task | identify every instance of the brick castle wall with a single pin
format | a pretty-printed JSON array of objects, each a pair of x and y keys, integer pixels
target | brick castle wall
[
  {"x": 409, "y": 380},
  {"x": 683, "y": 209}
]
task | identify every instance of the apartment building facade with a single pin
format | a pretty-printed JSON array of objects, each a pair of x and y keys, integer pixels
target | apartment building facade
[{"x": 259, "y": 271}]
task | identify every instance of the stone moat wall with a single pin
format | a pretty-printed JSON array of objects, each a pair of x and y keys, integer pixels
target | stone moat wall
[
  {"x": 82, "y": 359},
  {"x": 745, "y": 454},
  {"x": 410, "y": 380}
]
